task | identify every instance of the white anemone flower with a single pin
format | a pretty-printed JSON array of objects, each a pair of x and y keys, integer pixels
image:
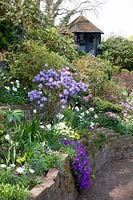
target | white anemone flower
[
  {"x": 77, "y": 108},
  {"x": 20, "y": 170},
  {"x": 34, "y": 111},
  {"x": 92, "y": 125},
  {"x": 48, "y": 126},
  {"x": 7, "y": 88},
  {"x": 95, "y": 116},
  {"x": 3, "y": 166},
  {"x": 60, "y": 116},
  {"x": 42, "y": 126},
  {"x": 91, "y": 109},
  {"x": 17, "y": 81},
  {"x": 61, "y": 125},
  {"x": 14, "y": 89},
  {"x": 31, "y": 171}
]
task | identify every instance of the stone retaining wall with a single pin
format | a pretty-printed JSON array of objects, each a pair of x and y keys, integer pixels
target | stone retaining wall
[
  {"x": 57, "y": 185},
  {"x": 61, "y": 185},
  {"x": 29, "y": 110},
  {"x": 117, "y": 147}
]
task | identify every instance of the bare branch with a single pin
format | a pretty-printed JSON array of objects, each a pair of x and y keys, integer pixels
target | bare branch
[{"x": 56, "y": 8}]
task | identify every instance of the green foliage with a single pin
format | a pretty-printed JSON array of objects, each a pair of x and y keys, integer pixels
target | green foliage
[
  {"x": 119, "y": 51},
  {"x": 95, "y": 140},
  {"x": 8, "y": 34},
  {"x": 21, "y": 133},
  {"x": 15, "y": 115},
  {"x": 93, "y": 71},
  {"x": 105, "y": 106},
  {"x": 54, "y": 134},
  {"x": 13, "y": 192},
  {"x": 23, "y": 20},
  {"x": 41, "y": 162},
  {"x": 25, "y": 132},
  {"x": 55, "y": 41},
  {"x": 26, "y": 63},
  {"x": 13, "y": 98},
  {"x": 116, "y": 124},
  {"x": 80, "y": 118},
  {"x": 115, "y": 70},
  {"x": 30, "y": 131},
  {"x": 17, "y": 18},
  {"x": 9, "y": 177},
  {"x": 11, "y": 90}
]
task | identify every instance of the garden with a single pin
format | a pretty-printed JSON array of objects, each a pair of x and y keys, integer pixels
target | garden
[{"x": 51, "y": 96}]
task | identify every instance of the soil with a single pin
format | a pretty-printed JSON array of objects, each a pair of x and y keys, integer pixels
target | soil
[{"x": 113, "y": 182}]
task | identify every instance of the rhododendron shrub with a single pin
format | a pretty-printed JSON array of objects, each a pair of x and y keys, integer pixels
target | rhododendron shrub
[{"x": 54, "y": 88}]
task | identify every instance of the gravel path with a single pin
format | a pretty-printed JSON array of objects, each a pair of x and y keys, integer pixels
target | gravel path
[{"x": 113, "y": 182}]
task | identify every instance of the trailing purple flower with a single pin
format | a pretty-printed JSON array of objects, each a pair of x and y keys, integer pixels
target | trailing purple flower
[{"x": 80, "y": 165}]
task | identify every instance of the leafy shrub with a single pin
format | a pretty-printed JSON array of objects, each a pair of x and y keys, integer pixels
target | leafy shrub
[
  {"x": 94, "y": 72},
  {"x": 124, "y": 81},
  {"x": 112, "y": 92},
  {"x": 55, "y": 41},
  {"x": 119, "y": 51},
  {"x": 26, "y": 63},
  {"x": 16, "y": 20},
  {"x": 8, "y": 34},
  {"x": 13, "y": 192},
  {"x": 115, "y": 70},
  {"x": 105, "y": 106},
  {"x": 11, "y": 90},
  {"x": 111, "y": 121}
]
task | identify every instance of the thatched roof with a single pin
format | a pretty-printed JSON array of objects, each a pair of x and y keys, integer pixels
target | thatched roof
[{"x": 82, "y": 25}]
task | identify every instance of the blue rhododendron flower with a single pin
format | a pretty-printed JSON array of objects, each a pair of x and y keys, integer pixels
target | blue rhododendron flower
[{"x": 60, "y": 82}]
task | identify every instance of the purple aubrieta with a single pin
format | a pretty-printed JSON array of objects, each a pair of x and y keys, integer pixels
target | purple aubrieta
[{"x": 80, "y": 164}]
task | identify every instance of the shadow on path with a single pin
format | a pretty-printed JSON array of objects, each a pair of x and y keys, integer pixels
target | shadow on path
[{"x": 113, "y": 182}]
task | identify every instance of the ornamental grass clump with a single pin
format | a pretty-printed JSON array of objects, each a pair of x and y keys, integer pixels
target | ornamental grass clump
[{"x": 80, "y": 165}]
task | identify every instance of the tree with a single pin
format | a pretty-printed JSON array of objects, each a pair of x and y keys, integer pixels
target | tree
[
  {"x": 55, "y": 9},
  {"x": 17, "y": 17},
  {"x": 119, "y": 51}
]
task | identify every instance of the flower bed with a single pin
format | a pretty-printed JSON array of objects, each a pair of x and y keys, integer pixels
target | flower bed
[{"x": 60, "y": 185}]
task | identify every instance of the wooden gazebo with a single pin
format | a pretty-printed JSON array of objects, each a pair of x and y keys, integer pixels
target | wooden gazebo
[{"x": 86, "y": 34}]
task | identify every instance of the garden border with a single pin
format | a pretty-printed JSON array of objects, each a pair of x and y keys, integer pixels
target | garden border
[{"x": 61, "y": 184}]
